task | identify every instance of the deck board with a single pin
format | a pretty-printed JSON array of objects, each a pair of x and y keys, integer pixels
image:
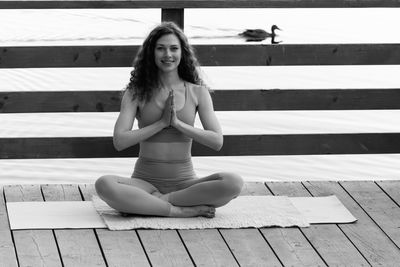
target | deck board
[
  {"x": 373, "y": 204},
  {"x": 7, "y": 251},
  {"x": 289, "y": 244},
  {"x": 378, "y": 205},
  {"x": 33, "y": 247},
  {"x": 78, "y": 247},
  {"x": 379, "y": 251},
  {"x": 115, "y": 244},
  {"x": 49, "y": 4},
  {"x": 248, "y": 245},
  {"x": 330, "y": 242},
  {"x": 207, "y": 247},
  {"x": 165, "y": 248},
  {"x": 392, "y": 188}
]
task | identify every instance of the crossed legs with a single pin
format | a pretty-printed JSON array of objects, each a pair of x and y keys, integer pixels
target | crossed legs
[{"x": 197, "y": 197}]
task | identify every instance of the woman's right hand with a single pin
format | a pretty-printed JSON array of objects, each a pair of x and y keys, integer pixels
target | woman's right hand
[{"x": 167, "y": 113}]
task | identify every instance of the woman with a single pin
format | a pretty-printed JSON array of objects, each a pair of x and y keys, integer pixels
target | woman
[{"x": 164, "y": 94}]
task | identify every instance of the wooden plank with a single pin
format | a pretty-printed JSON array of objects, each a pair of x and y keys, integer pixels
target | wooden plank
[
  {"x": 288, "y": 244},
  {"x": 174, "y": 14},
  {"x": 121, "y": 248},
  {"x": 207, "y": 248},
  {"x": 47, "y": 4},
  {"x": 65, "y": 101},
  {"x": 234, "y": 145},
  {"x": 378, "y": 205},
  {"x": 78, "y": 247},
  {"x": 164, "y": 248},
  {"x": 34, "y": 247},
  {"x": 7, "y": 251},
  {"x": 392, "y": 188},
  {"x": 208, "y": 55},
  {"x": 248, "y": 245},
  {"x": 379, "y": 250},
  {"x": 328, "y": 240},
  {"x": 224, "y": 100}
]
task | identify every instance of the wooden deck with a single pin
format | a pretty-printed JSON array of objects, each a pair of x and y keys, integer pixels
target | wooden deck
[{"x": 373, "y": 240}]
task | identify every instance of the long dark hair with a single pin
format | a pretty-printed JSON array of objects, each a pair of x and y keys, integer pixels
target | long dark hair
[{"x": 144, "y": 77}]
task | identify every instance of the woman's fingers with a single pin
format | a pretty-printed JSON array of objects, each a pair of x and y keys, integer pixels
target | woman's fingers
[{"x": 167, "y": 112}]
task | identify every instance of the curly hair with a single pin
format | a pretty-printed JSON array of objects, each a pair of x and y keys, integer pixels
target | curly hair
[{"x": 144, "y": 77}]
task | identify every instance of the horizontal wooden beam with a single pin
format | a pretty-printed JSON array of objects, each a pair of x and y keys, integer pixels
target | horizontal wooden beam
[
  {"x": 209, "y": 55},
  {"x": 224, "y": 100},
  {"x": 47, "y": 4},
  {"x": 234, "y": 145}
]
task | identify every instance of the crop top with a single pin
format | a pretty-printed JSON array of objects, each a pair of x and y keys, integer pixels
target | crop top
[{"x": 150, "y": 112}]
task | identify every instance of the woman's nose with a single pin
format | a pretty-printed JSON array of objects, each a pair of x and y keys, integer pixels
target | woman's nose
[{"x": 167, "y": 52}]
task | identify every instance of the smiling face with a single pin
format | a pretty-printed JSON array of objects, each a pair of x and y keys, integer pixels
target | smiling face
[{"x": 168, "y": 53}]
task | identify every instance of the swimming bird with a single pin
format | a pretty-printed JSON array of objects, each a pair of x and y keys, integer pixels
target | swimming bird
[{"x": 259, "y": 34}]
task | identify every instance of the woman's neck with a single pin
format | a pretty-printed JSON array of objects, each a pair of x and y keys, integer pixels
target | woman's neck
[{"x": 169, "y": 80}]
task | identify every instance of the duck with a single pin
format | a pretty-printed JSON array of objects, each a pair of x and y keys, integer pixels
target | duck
[{"x": 259, "y": 34}]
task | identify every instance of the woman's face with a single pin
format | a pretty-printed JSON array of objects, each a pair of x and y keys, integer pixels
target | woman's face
[{"x": 167, "y": 53}]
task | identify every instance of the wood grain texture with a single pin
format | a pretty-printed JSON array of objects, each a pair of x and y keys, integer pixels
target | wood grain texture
[
  {"x": 379, "y": 250},
  {"x": 33, "y": 247},
  {"x": 234, "y": 145},
  {"x": 288, "y": 244},
  {"x": 78, "y": 247},
  {"x": 208, "y": 55},
  {"x": 46, "y": 4},
  {"x": 248, "y": 245},
  {"x": 207, "y": 248},
  {"x": 7, "y": 251},
  {"x": 392, "y": 188},
  {"x": 224, "y": 100},
  {"x": 378, "y": 205},
  {"x": 121, "y": 248},
  {"x": 330, "y": 242},
  {"x": 165, "y": 248}
]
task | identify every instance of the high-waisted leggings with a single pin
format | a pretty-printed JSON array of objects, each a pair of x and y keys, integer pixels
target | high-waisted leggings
[
  {"x": 152, "y": 177},
  {"x": 165, "y": 175}
]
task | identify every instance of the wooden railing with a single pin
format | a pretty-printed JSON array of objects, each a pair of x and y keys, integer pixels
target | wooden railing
[{"x": 224, "y": 100}]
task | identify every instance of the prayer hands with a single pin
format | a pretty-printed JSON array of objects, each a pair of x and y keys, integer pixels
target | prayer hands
[
  {"x": 169, "y": 117},
  {"x": 174, "y": 118},
  {"x": 166, "y": 116}
]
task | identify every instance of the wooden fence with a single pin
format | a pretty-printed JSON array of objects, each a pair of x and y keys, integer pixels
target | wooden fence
[{"x": 224, "y": 100}]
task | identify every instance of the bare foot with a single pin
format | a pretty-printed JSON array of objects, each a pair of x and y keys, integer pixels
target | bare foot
[{"x": 184, "y": 212}]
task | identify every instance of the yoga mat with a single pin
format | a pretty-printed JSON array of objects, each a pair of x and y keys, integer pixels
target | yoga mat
[
  {"x": 244, "y": 211},
  {"x": 241, "y": 212},
  {"x": 327, "y": 209},
  {"x": 53, "y": 215}
]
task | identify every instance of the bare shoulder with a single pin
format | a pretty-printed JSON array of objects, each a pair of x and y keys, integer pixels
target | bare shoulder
[
  {"x": 200, "y": 92},
  {"x": 128, "y": 101}
]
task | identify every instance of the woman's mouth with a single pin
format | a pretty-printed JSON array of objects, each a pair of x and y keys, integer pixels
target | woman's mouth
[{"x": 167, "y": 61}]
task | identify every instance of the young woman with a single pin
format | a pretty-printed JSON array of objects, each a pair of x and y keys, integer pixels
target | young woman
[{"x": 164, "y": 94}]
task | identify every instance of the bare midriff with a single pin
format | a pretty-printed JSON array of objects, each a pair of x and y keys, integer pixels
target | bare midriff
[{"x": 166, "y": 151}]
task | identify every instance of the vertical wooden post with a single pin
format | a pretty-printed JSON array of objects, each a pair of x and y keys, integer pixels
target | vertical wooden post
[{"x": 173, "y": 14}]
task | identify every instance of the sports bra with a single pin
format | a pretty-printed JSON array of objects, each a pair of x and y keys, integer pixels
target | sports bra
[{"x": 150, "y": 112}]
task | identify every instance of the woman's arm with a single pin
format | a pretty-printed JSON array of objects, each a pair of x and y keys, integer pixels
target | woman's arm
[
  {"x": 211, "y": 135},
  {"x": 124, "y": 136}
]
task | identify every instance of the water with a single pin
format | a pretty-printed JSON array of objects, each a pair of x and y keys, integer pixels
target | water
[{"x": 97, "y": 27}]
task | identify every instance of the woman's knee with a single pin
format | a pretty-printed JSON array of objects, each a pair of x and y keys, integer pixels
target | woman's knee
[
  {"x": 232, "y": 182},
  {"x": 105, "y": 186}
]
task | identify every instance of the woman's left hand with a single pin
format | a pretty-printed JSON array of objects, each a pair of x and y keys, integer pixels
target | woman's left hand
[{"x": 174, "y": 118}]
